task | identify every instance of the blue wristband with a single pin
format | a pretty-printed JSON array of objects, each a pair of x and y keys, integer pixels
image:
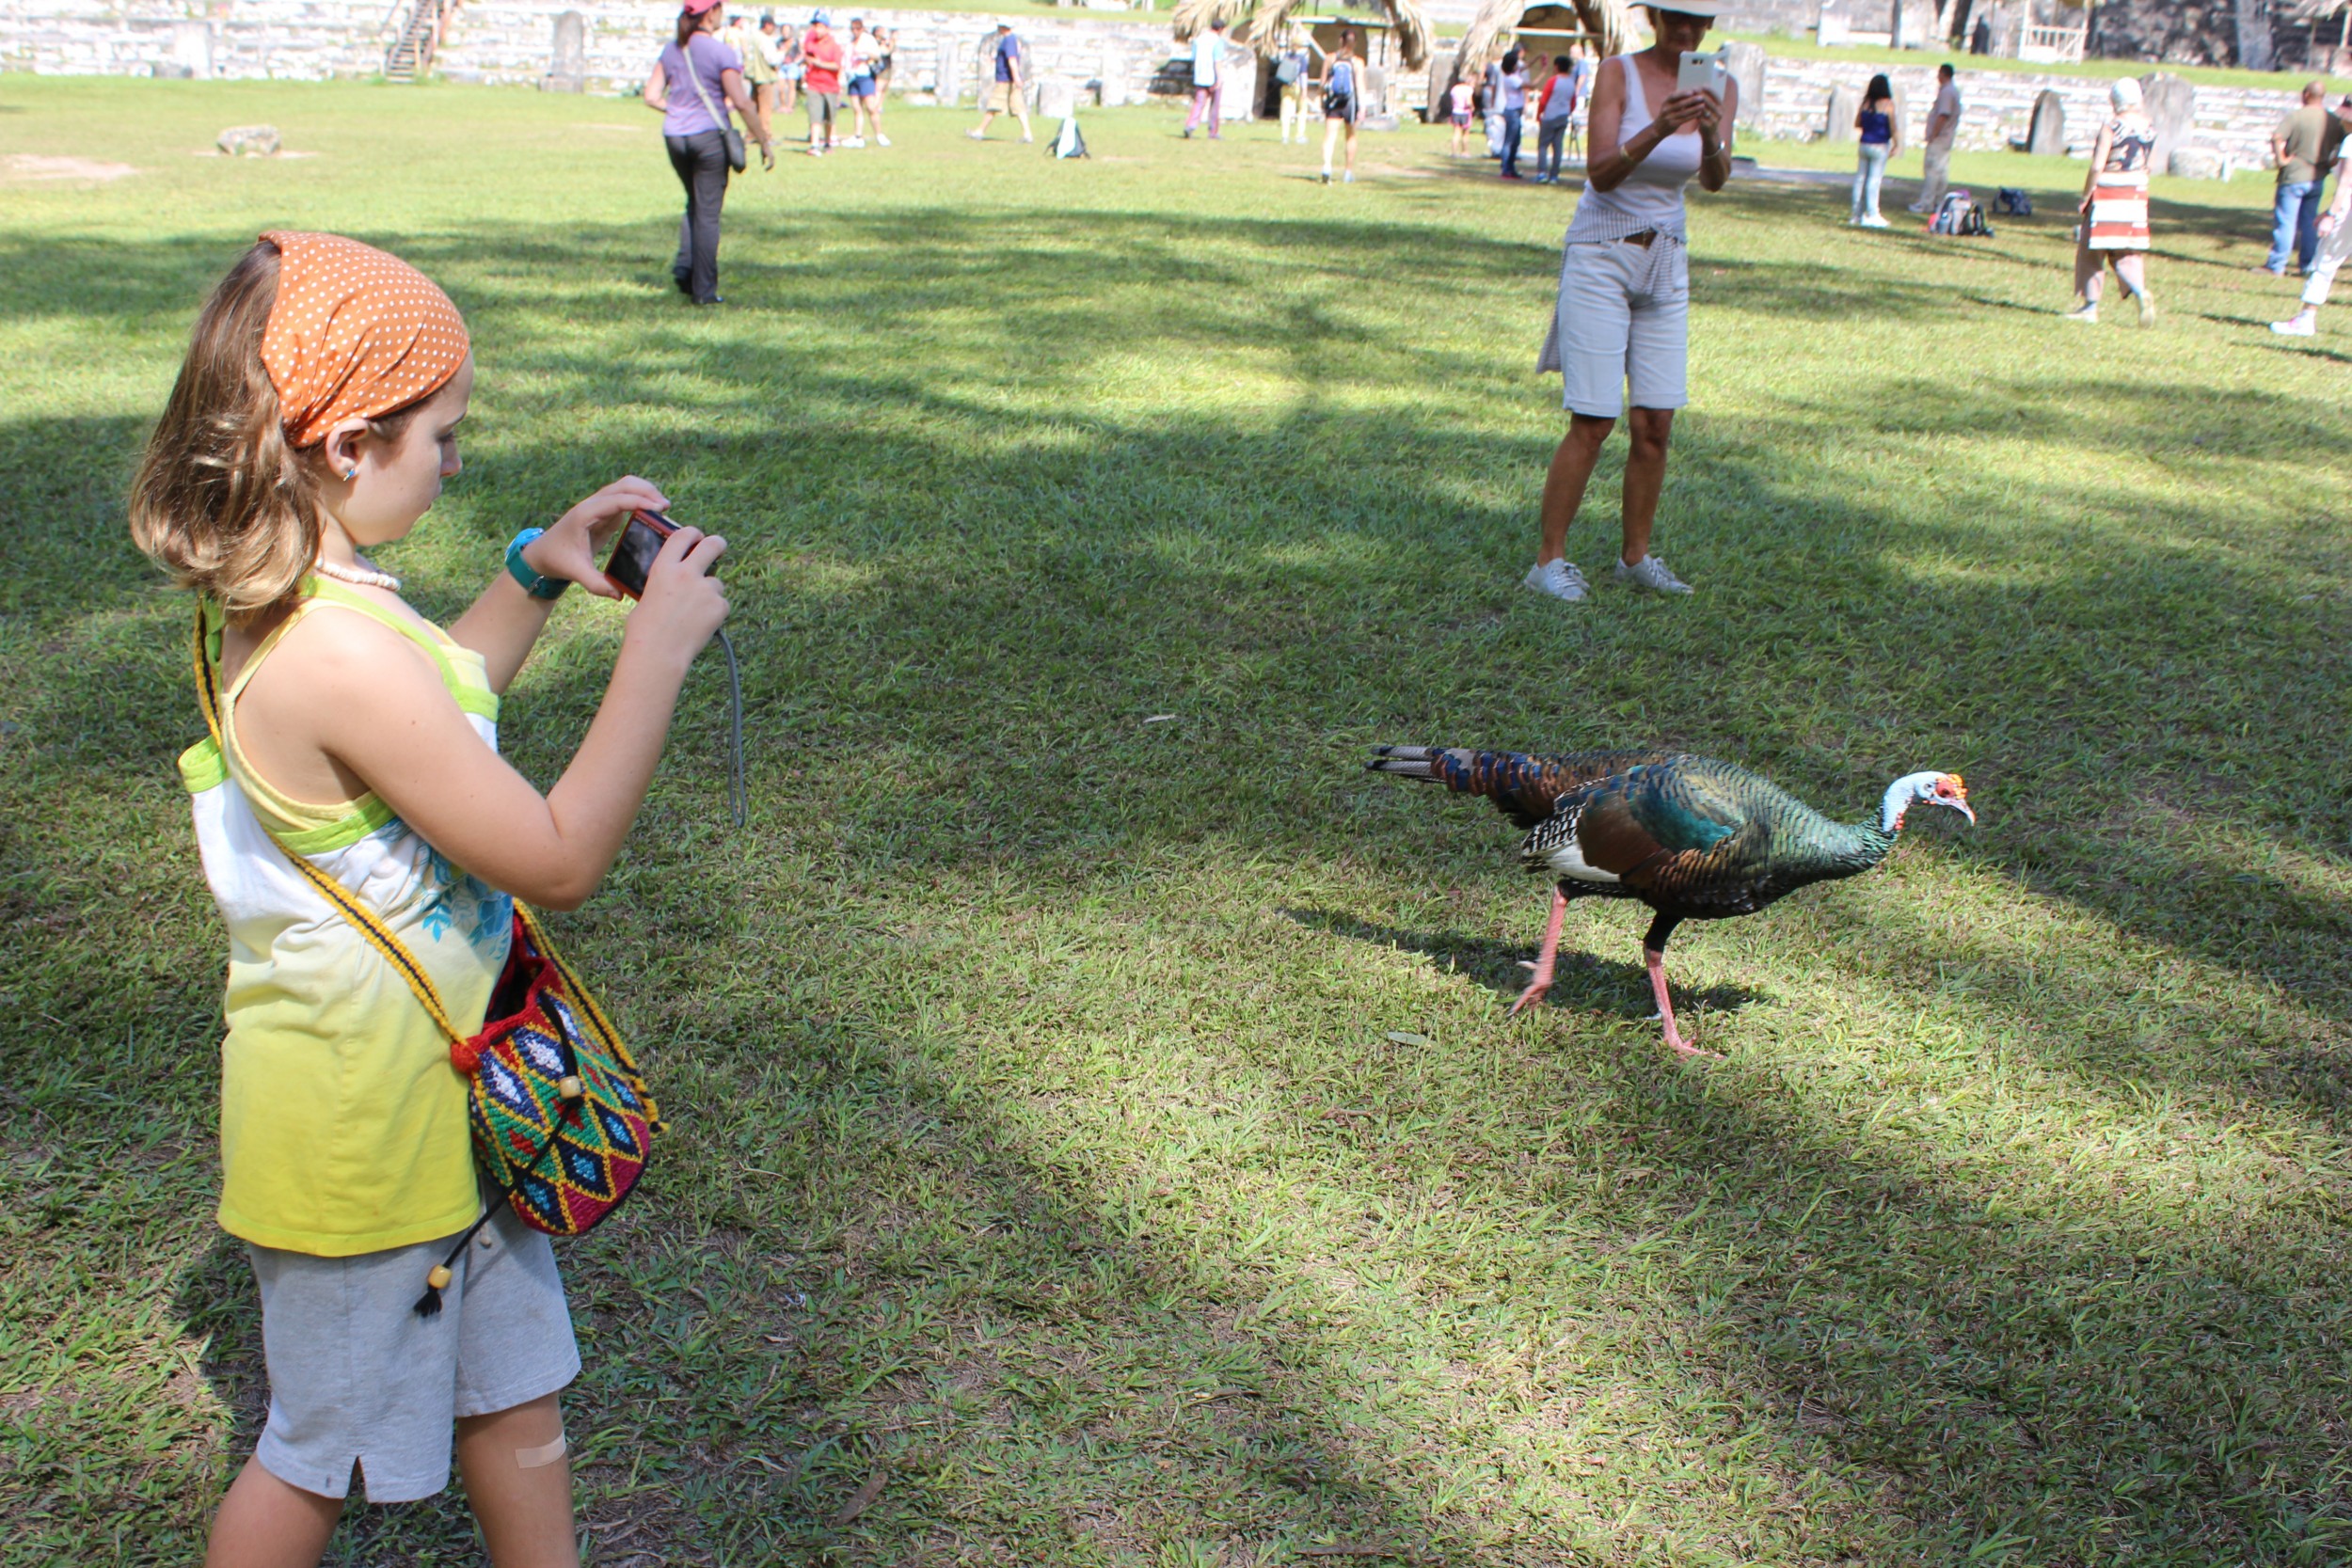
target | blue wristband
[{"x": 534, "y": 584}]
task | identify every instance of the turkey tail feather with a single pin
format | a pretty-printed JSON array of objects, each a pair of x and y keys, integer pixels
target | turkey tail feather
[{"x": 1522, "y": 786}]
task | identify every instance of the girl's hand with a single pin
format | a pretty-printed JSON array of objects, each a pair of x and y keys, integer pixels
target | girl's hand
[
  {"x": 570, "y": 549},
  {"x": 2327, "y": 224},
  {"x": 683, "y": 604}
]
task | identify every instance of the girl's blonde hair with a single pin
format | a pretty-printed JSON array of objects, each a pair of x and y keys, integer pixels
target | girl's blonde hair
[{"x": 223, "y": 501}]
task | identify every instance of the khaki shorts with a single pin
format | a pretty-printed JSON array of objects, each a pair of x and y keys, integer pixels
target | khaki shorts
[
  {"x": 1004, "y": 98},
  {"x": 357, "y": 1377},
  {"x": 1622, "y": 327}
]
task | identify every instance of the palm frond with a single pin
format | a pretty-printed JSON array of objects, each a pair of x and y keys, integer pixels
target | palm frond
[
  {"x": 1413, "y": 32},
  {"x": 1611, "y": 21},
  {"x": 1193, "y": 17},
  {"x": 1268, "y": 21}
]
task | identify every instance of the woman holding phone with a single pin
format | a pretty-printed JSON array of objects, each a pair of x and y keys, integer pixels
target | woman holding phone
[{"x": 1623, "y": 316}]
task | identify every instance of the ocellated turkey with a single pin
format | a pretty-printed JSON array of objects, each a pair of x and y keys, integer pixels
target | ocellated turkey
[{"x": 1691, "y": 837}]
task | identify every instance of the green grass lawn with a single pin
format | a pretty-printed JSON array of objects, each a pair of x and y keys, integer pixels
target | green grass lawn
[{"x": 1099, "y": 1137}]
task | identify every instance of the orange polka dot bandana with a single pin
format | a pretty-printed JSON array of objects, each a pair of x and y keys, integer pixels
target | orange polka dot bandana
[{"x": 354, "y": 331}]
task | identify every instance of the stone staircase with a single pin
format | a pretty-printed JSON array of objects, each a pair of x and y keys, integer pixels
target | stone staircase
[{"x": 411, "y": 53}]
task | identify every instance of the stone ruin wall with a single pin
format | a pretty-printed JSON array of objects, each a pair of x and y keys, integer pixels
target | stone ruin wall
[
  {"x": 1998, "y": 106},
  {"x": 1112, "y": 59}
]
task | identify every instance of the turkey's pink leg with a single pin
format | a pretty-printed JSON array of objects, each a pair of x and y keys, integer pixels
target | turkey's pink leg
[
  {"x": 1540, "y": 981},
  {"x": 1674, "y": 1041}
]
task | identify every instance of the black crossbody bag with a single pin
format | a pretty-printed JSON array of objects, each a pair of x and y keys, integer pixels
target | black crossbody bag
[{"x": 735, "y": 157}]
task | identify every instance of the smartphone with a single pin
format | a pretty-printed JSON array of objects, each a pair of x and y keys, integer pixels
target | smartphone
[
  {"x": 633, "y": 552},
  {"x": 1702, "y": 72}
]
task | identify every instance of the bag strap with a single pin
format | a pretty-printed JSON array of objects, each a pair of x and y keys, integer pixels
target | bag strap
[
  {"x": 686, "y": 53},
  {"x": 379, "y": 935}
]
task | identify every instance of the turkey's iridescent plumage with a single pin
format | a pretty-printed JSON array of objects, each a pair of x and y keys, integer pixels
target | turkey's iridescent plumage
[{"x": 1691, "y": 837}]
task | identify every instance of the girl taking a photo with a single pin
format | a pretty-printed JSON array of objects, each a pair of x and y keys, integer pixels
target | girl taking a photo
[{"x": 315, "y": 419}]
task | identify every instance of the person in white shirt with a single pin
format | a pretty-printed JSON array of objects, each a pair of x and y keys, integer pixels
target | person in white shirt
[
  {"x": 1208, "y": 81},
  {"x": 1943, "y": 124},
  {"x": 864, "y": 73}
]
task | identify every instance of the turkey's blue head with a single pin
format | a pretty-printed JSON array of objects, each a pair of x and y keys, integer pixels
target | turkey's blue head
[{"x": 1934, "y": 789}]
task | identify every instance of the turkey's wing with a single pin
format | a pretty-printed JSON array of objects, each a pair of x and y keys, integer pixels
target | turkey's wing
[{"x": 1659, "y": 829}]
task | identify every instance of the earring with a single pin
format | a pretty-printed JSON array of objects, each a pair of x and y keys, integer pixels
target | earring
[{"x": 352, "y": 473}]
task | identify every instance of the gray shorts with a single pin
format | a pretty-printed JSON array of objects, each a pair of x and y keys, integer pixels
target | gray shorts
[
  {"x": 821, "y": 107},
  {"x": 355, "y": 1376}
]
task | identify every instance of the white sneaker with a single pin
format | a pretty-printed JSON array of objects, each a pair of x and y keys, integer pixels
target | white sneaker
[
  {"x": 881, "y": 140},
  {"x": 1649, "y": 572},
  {"x": 2301, "y": 325},
  {"x": 851, "y": 141},
  {"x": 977, "y": 134},
  {"x": 1874, "y": 221},
  {"x": 1560, "y": 580}
]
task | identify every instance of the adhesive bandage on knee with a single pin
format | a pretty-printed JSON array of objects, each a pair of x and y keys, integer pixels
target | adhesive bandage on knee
[{"x": 546, "y": 1453}]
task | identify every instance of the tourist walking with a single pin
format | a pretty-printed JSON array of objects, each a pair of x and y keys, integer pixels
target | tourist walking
[
  {"x": 1514, "y": 111},
  {"x": 1208, "y": 81},
  {"x": 1942, "y": 126},
  {"x": 1291, "y": 75},
  {"x": 693, "y": 77},
  {"x": 1881, "y": 139},
  {"x": 2115, "y": 207},
  {"x": 785, "y": 52},
  {"x": 864, "y": 56},
  {"x": 759, "y": 75},
  {"x": 821, "y": 59},
  {"x": 1463, "y": 97},
  {"x": 1622, "y": 322},
  {"x": 1491, "y": 95},
  {"x": 2334, "y": 229},
  {"x": 2304, "y": 146},
  {"x": 1007, "y": 94},
  {"x": 1583, "y": 109},
  {"x": 1552, "y": 113},
  {"x": 1342, "y": 103}
]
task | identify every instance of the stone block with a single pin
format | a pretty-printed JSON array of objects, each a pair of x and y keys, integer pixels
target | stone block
[
  {"x": 1056, "y": 96},
  {"x": 567, "y": 56},
  {"x": 2201, "y": 162},
  {"x": 2172, "y": 109},
  {"x": 1844, "y": 103},
  {"x": 2045, "y": 134},
  {"x": 1745, "y": 62},
  {"x": 192, "y": 50},
  {"x": 259, "y": 141}
]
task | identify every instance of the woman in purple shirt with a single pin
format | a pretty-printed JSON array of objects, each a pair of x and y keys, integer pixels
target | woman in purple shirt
[{"x": 693, "y": 84}]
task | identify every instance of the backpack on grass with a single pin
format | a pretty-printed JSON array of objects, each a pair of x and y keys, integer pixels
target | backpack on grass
[
  {"x": 2012, "y": 202},
  {"x": 1957, "y": 213}
]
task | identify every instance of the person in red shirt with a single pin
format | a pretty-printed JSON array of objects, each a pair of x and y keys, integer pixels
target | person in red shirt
[{"x": 820, "y": 55}]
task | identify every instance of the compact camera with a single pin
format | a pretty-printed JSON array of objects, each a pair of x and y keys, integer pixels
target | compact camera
[{"x": 633, "y": 553}]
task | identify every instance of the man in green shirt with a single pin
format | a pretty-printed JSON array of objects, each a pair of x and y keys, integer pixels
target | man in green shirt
[{"x": 2304, "y": 148}]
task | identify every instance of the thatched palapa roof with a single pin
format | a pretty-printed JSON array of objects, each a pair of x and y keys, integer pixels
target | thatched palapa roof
[
  {"x": 1261, "y": 23},
  {"x": 1609, "y": 21}
]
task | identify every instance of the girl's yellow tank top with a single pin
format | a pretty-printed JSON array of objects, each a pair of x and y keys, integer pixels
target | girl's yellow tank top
[{"x": 343, "y": 1124}]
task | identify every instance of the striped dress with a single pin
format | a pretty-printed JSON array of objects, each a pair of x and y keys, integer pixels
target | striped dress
[{"x": 2119, "y": 197}]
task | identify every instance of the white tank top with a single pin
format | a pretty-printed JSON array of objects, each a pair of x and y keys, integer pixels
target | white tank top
[{"x": 1650, "y": 197}]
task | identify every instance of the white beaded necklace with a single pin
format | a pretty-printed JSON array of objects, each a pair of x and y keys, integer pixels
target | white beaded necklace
[{"x": 362, "y": 575}]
